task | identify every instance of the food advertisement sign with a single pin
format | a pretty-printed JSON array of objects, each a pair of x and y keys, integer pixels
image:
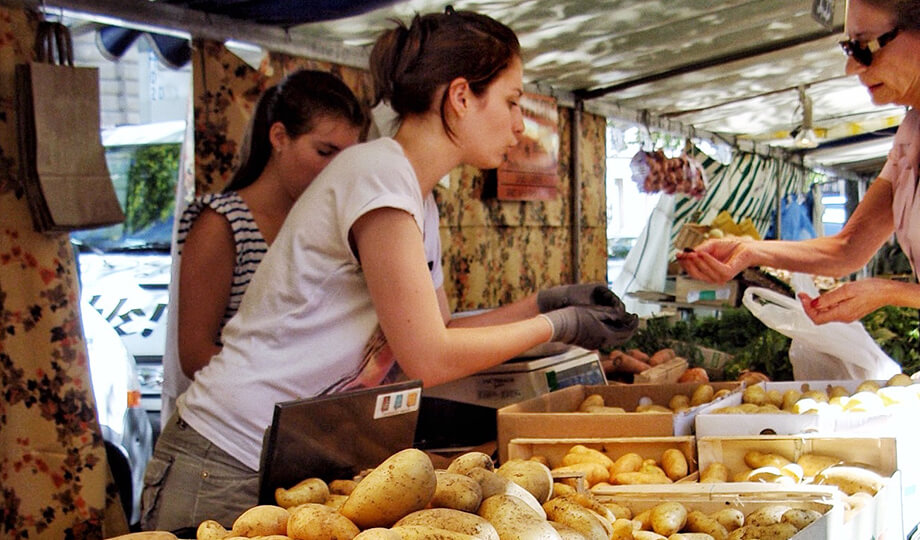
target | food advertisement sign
[{"x": 530, "y": 170}]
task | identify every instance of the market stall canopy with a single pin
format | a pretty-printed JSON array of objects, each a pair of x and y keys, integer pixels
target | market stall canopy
[{"x": 734, "y": 70}]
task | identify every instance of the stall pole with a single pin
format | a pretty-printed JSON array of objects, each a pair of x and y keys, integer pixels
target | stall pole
[{"x": 575, "y": 130}]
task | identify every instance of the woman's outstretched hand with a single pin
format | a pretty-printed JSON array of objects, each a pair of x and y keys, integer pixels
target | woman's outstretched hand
[
  {"x": 716, "y": 261},
  {"x": 847, "y": 303}
]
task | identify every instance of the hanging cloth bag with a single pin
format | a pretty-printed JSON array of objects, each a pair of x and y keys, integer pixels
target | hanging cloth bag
[
  {"x": 61, "y": 158},
  {"x": 830, "y": 351}
]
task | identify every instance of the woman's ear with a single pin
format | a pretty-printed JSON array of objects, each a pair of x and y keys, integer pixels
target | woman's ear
[
  {"x": 278, "y": 135},
  {"x": 459, "y": 95}
]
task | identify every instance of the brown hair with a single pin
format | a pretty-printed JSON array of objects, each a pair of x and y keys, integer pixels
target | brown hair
[
  {"x": 906, "y": 12},
  {"x": 297, "y": 101},
  {"x": 410, "y": 64}
]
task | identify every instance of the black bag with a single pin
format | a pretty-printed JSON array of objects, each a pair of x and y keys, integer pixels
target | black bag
[{"x": 61, "y": 158}]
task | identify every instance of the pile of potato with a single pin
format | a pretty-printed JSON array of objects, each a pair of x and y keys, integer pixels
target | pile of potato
[
  {"x": 702, "y": 394},
  {"x": 869, "y": 396},
  {"x": 600, "y": 470},
  {"x": 674, "y": 521},
  {"x": 857, "y": 484},
  {"x": 405, "y": 497}
]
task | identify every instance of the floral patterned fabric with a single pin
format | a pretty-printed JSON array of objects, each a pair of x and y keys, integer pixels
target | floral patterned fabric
[{"x": 53, "y": 469}]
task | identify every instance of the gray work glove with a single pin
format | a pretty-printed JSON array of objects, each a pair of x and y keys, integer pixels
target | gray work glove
[
  {"x": 592, "y": 327},
  {"x": 582, "y": 294}
]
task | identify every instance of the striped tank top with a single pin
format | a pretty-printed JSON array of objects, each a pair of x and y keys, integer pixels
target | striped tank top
[{"x": 250, "y": 245}]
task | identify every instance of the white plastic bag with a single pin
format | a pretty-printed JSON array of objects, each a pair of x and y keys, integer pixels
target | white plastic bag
[{"x": 830, "y": 351}]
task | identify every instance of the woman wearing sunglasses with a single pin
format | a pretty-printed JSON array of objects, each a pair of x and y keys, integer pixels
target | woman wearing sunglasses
[{"x": 883, "y": 49}]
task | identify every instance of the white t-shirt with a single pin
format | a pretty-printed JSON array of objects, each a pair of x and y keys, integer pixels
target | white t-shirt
[{"x": 306, "y": 325}]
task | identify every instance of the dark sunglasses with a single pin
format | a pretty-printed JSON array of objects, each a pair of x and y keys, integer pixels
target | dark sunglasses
[{"x": 862, "y": 52}]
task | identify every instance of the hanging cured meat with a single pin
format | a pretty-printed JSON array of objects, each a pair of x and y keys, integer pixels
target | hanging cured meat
[{"x": 653, "y": 171}]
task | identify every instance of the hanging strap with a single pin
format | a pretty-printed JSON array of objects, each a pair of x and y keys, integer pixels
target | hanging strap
[{"x": 53, "y": 43}]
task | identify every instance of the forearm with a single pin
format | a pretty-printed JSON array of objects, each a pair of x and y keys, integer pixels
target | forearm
[
  {"x": 458, "y": 352},
  {"x": 826, "y": 256},
  {"x": 516, "y": 311},
  {"x": 898, "y": 293}
]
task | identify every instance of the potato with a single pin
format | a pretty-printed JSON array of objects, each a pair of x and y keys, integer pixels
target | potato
[
  {"x": 146, "y": 535},
  {"x": 775, "y": 398},
  {"x": 713, "y": 473},
  {"x": 457, "y": 491},
  {"x": 582, "y": 454},
  {"x": 629, "y": 462},
  {"x": 464, "y": 463},
  {"x": 812, "y": 464},
  {"x": 643, "y": 520},
  {"x": 648, "y": 535},
  {"x": 605, "y": 410},
  {"x": 776, "y": 531},
  {"x": 730, "y": 518},
  {"x": 335, "y": 501},
  {"x": 451, "y": 520},
  {"x": 668, "y": 518},
  {"x": 261, "y": 520},
  {"x": 594, "y": 400},
  {"x": 425, "y": 532},
  {"x": 311, "y": 490},
  {"x": 754, "y": 394},
  {"x": 690, "y": 536},
  {"x": 622, "y": 529},
  {"x": 679, "y": 402},
  {"x": 800, "y": 517},
  {"x": 637, "y": 478},
  {"x": 566, "y": 532},
  {"x": 618, "y": 510},
  {"x": 867, "y": 386},
  {"x": 378, "y": 533},
  {"x": 850, "y": 479},
  {"x": 766, "y": 515},
  {"x": 566, "y": 511},
  {"x": 818, "y": 395},
  {"x": 755, "y": 459},
  {"x": 591, "y": 502},
  {"x": 211, "y": 530},
  {"x": 674, "y": 463},
  {"x": 561, "y": 490},
  {"x": 789, "y": 398},
  {"x": 492, "y": 483},
  {"x": 403, "y": 483},
  {"x": 593, "y": 473},
  {"x": 319, "y": 522},
  {"x": 699, "y": 522},
  {"x": 342, "y": 487},
  {"x": 701, "y": 394},
  {"x": 513, "y": 518},
  {"x": 533, "y": 476},
  {"x": 899, "y": 379}
]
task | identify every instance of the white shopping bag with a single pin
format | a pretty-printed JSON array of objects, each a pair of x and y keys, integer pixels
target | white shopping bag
[{"x": 831, "y": 351}]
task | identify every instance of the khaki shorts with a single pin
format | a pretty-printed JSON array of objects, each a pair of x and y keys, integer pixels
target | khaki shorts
[{"x": 190, "y": 480}]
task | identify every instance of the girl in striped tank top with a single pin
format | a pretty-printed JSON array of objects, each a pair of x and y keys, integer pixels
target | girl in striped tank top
[{"x": 298, "y": 126}]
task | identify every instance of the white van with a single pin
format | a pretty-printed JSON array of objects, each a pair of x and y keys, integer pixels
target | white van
[{"x": 124, "y": 273}]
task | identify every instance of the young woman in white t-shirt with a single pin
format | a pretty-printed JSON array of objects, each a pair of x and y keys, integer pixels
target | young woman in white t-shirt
[{"x": 344, "y": 298}]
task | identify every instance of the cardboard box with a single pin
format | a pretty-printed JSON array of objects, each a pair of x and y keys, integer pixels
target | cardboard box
[
  {"x": 709, "y": 498},
  {"x": 896, "y": 422},
  {"x": 647, "y": 447},
  {"x": 884, "y": 518},
  {"x": 555, "y": 415},
  {"x": 692, "y": 291}
]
